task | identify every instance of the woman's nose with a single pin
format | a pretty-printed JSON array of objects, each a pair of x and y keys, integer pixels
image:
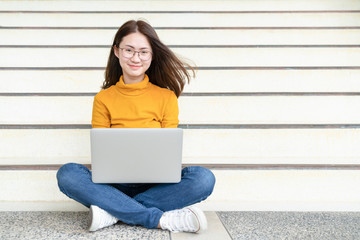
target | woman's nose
[{"x": 135, "y": 57}]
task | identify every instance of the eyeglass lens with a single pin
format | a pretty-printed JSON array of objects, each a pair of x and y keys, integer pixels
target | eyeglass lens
[{"x": 129, "y": 53}]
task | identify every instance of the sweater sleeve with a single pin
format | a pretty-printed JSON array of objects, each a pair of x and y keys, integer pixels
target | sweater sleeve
[
  {"x": 171, "y": 113},
  {"x": 100, "y": 114}
]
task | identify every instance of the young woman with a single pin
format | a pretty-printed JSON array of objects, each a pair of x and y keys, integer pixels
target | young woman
[{"x": 143, "y": 79}]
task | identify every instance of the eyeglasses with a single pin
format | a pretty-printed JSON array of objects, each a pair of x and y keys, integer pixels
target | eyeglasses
[{"x": 129, "y": 53}]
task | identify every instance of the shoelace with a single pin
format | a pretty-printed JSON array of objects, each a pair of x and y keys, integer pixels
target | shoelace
[
  {"x": 105, "y": 219},
  {"x": 178, "y": 221}
]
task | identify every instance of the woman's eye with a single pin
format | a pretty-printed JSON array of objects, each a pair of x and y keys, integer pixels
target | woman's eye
[
  {"x": 144, "y": 52},
  {"x": 128, "y": 50}
]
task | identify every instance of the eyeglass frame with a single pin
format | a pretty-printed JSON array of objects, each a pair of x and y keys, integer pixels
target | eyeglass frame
[{"x": 138, "y": 52}]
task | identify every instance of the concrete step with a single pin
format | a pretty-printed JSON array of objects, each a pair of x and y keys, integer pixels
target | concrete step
[
  {"x": 175, "y": 19},
  {"x": 104, "y": 37},
  {"x": 178, "y": 5},
  {"x": 196, "y": 110},
  {"x": 235, "y": 190},
  {"x": 201, "y": 146},
  {"x": 221, "y": 57},
  {"x": 206, "y": 81}
]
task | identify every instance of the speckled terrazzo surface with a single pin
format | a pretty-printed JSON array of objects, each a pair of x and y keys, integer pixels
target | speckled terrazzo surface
[
  {"x": 66, "y": 225},
  {"x": 239, "y": 225},
  {"x": 292, "y": 225}
]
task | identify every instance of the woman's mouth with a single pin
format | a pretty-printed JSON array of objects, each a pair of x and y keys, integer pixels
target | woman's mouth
[{"x": 135, "y": 66}]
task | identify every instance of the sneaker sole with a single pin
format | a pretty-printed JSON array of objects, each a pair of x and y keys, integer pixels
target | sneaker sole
[
  {"x": 90, "y": 221},
  {"x": 201, "y": 218}
]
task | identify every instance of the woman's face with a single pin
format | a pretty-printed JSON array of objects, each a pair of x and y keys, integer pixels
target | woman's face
[{"x": 134, "y": 66}]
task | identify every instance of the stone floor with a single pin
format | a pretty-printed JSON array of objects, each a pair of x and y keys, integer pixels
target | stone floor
[
  {"x": 292, "y": 225},
  {"x": 222, "y": 226}
]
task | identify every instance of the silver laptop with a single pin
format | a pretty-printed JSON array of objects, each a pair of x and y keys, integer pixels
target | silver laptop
[{"x": 136, "y": 155}]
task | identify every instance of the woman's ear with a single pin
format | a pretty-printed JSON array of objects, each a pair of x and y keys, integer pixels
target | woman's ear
[{"x": 116, "y": 51}]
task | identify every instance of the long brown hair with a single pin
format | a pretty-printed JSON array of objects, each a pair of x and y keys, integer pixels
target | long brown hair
[{"x": 166, "y": 69}]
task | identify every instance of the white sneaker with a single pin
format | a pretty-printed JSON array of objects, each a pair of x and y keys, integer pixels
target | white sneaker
[
  {"x": 188, "y": 219},
  {"x": 99, "y": 218}
]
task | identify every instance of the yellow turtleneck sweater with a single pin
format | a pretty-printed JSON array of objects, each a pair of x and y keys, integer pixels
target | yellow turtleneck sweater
[{"x": 136, "y": 105}]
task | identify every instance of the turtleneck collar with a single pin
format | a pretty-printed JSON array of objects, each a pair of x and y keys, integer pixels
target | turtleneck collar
[{"x": 133, "y": 88}]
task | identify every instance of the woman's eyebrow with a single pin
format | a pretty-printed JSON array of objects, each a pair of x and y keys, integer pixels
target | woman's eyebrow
[{"x": 134, "y": 47}]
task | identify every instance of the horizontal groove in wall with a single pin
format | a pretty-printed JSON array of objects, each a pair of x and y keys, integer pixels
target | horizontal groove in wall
[
  {"x": 182, "y": 28},
  {"x": 266, "y": 126},
  {"x": 45, "y": 126},
  {"x": 211, "y": 166},
  {"x": 78, "y": 94},
  {"x": 52, "y": 68},
  {"x": 280, "y": 68},
  {"x": 198, "y": 68},
  {"x": 187, "y": 94},
  {"x": 189, "y": 46},
  {"x": 272, "y": 94},
  {"x": 185, "y": 12},
  {"x": 193, "y": 126}
]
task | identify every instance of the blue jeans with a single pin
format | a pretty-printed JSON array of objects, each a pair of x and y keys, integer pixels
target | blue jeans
[{"x": 136, "y": 204}]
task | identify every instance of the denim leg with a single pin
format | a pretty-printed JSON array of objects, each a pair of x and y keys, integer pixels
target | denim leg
[
  {"x": 196, "y": 184},
  {"x": 74, "y": 180}
]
